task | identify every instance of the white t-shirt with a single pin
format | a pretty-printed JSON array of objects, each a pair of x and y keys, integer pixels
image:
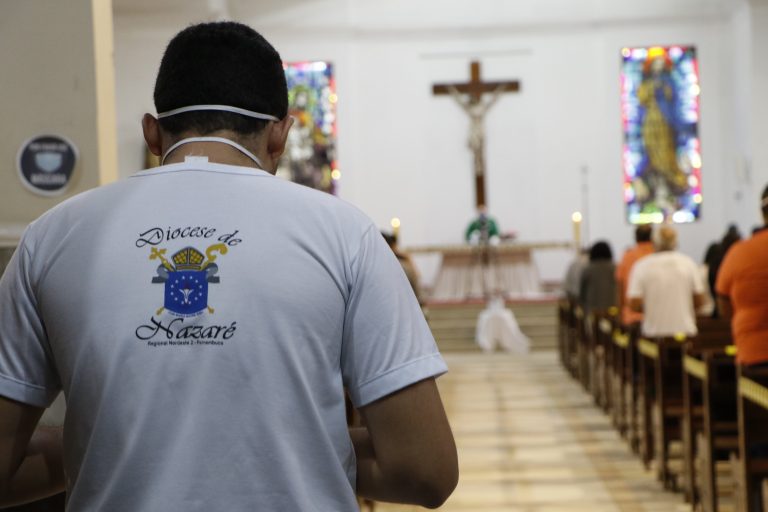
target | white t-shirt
[
  {"x": 202, "y": 321},
  {"x": 667, "y": 282}
]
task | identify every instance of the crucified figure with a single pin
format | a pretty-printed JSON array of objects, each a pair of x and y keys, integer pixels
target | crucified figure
[{"x": 476, "y": 110}]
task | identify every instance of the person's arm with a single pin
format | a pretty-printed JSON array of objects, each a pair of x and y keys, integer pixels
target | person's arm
[
  {"x": 636, "y": 304},
  {"x": 31, "y": 465},
  {"x": 493, "y": 228},
  {"x": 634, "y": 293},
  {"x": 726, "y": 274},
  {"x": 724, "y": 306},
  {"x": 470, "y": 229},
  {"x": 620, "y": 297},
  {"x": 699, "y": 299},
  {"x": 583, "y": 285},
  {"x": 407, "y": 453}
]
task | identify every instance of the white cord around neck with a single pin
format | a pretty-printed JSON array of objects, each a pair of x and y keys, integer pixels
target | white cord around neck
[{"x": 221, "y": 140}]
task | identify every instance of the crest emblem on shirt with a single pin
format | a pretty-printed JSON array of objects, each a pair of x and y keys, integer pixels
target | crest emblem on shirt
[{"x": 186, "y": 277}]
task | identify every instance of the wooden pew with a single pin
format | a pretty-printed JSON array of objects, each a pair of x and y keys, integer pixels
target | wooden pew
[
  {"x": 709, "y": 386},
  {"x": 628, "y": 342},
  {"x": 595, "y": 355},
  {"x": 661, "y": 403},
  {"x": 648, "y": 354},
  {"x": 603, "y": 326},
  {"x": 568, "y": 335},
  {"x": 718, "y": 437},
  {"x": 563, "y": 313},
  {"x": 582, "y": 348},
  {"x": 709, "y": 383},
  {"x": 752, "y": 467},
  {"x": 695, "y": 384},
  {"x": 620, "y": 382},
  {"x": 765, "y": 494}
]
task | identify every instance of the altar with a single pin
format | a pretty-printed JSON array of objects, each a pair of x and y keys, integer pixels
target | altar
[{"x": 470, "y": 272}]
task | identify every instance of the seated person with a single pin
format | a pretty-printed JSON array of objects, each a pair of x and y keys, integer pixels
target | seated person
[
  {"x": 667, "y": 287},
  {"x": 742, "y": 294}
]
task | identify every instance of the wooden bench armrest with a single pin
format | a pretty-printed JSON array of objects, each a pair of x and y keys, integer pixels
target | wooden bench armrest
[
  {"x": 621, "y": 340},
  {"x": 648, "y": 348},
  {"x": 753, "y": 392},
  {"x": 695, "y": 368}
]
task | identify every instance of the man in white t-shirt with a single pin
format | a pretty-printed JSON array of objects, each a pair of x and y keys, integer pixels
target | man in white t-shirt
[
  {"x": 203, "y": 320},
  {"x": 667, "y": 288}
]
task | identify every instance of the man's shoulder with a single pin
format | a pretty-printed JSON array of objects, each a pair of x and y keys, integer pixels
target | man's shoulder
[
  {"x": 684, "y": 258},
  {"x": 742, "y": 253},
  {"x": 645, "y": 260},
  {"x": 123, "y": 194},
  {"x": 743, "y": 248},
  {"x": 632, "y": 254},
  {"x": 72, "y": 206}
]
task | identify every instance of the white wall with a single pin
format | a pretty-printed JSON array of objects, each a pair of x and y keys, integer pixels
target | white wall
[
  {"x": 746, "y": 170},
  {"x": 403, "y": 152},
  {"x": 52, "y": 88},
  {"x": 759, "y": 106}
]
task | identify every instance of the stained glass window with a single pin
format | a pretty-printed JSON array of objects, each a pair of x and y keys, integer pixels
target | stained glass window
[
  {"x": 662, "y": 153},
  {"x": 310, "y": 155}
]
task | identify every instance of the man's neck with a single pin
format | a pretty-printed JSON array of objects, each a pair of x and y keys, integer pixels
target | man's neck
[{"x": 218, "y": 152}]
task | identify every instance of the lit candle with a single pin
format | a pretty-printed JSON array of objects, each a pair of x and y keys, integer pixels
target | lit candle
[
  {"x": 395, "y": 223},
  {"x": 576, "y": 218}
]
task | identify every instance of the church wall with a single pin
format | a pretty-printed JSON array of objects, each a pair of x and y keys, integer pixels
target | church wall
[
  {"x": 745, "y": 79},
  {"x": 566, "y": 119},
  {"x": 403, "y": 152},
  {"x": 759, "y": 110},
  {"x": 740, "y": 182},
  {"x": 50, "y": 88},
  {"x": 137, "y": 57},
  {"x": 709, "y": 36}
]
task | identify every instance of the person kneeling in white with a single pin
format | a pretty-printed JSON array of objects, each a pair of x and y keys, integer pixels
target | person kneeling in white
[
  {"x": 497, "y": 326},
  {"x": 667, "y": 288}
]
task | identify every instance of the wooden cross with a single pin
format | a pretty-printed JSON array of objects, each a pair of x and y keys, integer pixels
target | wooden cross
[{"x": 476, "y": 109}]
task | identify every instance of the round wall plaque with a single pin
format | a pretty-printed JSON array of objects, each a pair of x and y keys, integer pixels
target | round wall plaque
[{"x": 46, "y": 164}]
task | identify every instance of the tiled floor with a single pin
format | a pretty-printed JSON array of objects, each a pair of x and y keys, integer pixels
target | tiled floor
[{"x": 531, "y": 440}]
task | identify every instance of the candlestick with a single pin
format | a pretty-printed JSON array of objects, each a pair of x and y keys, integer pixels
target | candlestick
[
  {"x": 395, "y": 223},
  {"x": 576, "y": 218}
]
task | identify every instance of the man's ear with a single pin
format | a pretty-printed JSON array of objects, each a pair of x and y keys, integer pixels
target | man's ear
[
  {"x": 278, "y": 135},
  {"x": 152, "y": 136}
]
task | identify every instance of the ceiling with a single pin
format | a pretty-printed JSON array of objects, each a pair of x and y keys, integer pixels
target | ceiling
[
  {"x": 235, "y": 7},
  {"x": 412, "y": 14}
]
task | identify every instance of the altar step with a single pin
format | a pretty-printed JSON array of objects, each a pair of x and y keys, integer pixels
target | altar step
[{"x": 453, "y": 324}]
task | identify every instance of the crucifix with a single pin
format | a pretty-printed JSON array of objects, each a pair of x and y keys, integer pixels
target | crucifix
[{"x": 476, "y": 108}]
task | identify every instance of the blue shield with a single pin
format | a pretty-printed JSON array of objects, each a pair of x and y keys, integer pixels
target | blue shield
[{"x": 186, "y": 292}]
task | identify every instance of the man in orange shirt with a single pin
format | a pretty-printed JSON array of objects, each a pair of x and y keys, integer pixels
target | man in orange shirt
[
  {"x": 644, "y": 247},
  {"x": 742, "y": 293}
]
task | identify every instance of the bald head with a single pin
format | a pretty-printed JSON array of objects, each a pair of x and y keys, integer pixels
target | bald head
[{"x": 666, "y": 239}]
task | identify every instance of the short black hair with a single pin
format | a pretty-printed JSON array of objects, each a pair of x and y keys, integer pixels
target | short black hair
[
  {"x": 390, "y": 238},
  {"x": 764, "y": 201},
  {"x": 220, "y": 63},
  {"x": 643, "y": 233},
  {"x": 600, "y": 251}
]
